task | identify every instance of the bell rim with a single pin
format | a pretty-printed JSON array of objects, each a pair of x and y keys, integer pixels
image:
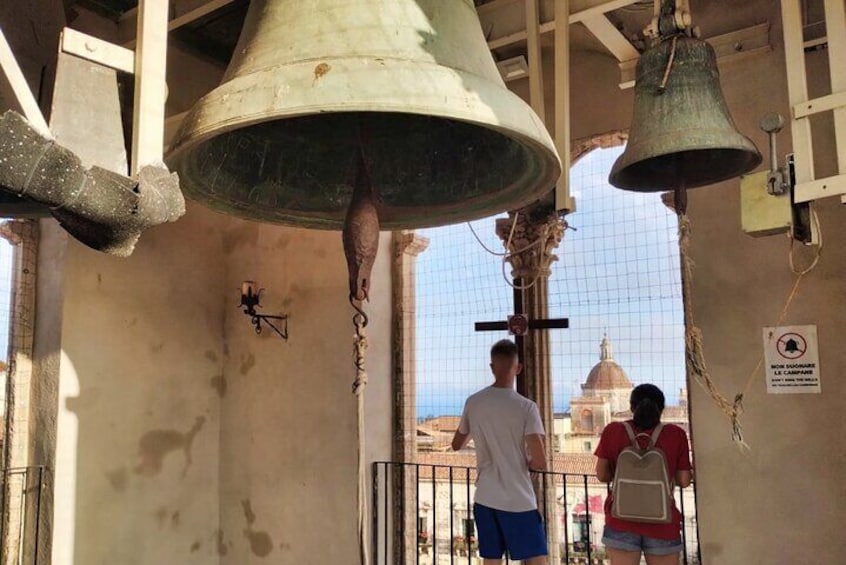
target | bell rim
[
  {"x": 514, "y": 119},
  {"x": 620, "y": 165}
]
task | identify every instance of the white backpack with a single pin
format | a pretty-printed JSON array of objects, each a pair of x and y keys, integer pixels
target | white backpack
[{"x": 642, "y": 488}]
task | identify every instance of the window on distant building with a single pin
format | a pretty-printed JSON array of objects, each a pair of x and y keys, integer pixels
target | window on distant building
[
  {"x": 586, "y": 422},
  {"x": 581, "y": 522},
  {"x": 588, "y": 447}
]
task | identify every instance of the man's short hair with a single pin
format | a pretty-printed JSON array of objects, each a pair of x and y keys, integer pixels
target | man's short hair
[{"x": 504, "y": 348}]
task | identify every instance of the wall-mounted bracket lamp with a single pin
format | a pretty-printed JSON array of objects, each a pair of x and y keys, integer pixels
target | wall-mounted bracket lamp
[{"x": 250, "y": 300}]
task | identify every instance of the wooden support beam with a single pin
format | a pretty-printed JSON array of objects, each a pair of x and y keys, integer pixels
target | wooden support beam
[
  {"x": 797, "y": 90},
  {"x": 836, "y": 102},
  {"x": 822, "y": 188},
  {"x": 15, "y": 89},
  {"x": 602, "y": 28},
  {"x": 835, "y": 25},
  {"x": 579, "y": 11},
  {"x": 535, "y": 59},
  {"x": 592, "y": 8},
  {"x": 150, "y": 85},
  {"x": 189, "y": 11},
  {"x": 98, "y": 51},
  {"x": 563, "y": 200}
]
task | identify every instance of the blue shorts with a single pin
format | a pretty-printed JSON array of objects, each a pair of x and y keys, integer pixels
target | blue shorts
[
  {"x": 627, "y": 541},
  {"x": 521, "y": 534}
]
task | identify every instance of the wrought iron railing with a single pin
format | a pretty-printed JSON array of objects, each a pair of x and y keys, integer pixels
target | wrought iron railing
[
  {"x": 422, "y": 515},
  {"x": 20, "y": 514}
]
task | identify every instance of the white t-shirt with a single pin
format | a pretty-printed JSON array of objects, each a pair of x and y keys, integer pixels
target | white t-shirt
[{"x": 498, "y": 420}]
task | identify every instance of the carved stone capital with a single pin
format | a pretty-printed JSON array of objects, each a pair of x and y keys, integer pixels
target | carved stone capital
[
  {"x": 409, "y": 243},
  {"x": 17, "y": 231},
  {"x": 531, "y": 241}
]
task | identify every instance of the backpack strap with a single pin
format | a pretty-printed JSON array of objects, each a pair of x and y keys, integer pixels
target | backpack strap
[
  {"x": 657, "y": 432},
  {"x": 632, "y": 436}
]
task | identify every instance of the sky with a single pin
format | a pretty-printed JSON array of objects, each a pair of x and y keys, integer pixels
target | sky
[
  {"x": 617, "y": 274},
  {"x": 6, "y": 264}
]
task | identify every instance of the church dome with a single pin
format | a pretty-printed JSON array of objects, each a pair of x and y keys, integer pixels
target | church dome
[{"x": 607, "y": 374}]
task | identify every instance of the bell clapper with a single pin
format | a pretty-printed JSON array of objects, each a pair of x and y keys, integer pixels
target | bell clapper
[{"x": 361, "y": 244}]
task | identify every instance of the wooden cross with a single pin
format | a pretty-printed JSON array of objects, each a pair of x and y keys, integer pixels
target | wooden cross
[{"x": 518, "y": 324}]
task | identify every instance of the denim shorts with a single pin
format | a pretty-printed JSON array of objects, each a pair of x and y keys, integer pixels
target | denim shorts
[{"x": 627, "y": 541}]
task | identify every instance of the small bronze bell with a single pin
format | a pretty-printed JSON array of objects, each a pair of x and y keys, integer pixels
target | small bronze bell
[
  {"x": 682, "y": 134},
  {"x": 447, "y": 140}
]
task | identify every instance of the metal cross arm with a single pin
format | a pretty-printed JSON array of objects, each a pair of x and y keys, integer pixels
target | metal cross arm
[{"x": 557, "y": 323}]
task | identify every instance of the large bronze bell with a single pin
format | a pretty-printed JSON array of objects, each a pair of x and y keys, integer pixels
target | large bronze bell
[
  {"x": 682, "y": 134},
  {"x": 410, "y": 84}
]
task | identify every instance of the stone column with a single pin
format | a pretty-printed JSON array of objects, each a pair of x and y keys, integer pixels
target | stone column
[
  {"x": 406, "y": 247},
  {"x": 532, "y": 241},
  {"x": 535, "y": 236},
  {"x": 20, "y": 490}
]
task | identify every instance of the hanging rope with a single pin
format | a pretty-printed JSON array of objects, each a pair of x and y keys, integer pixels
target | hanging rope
[
  {"x": 669, "y": 68},
  {"x": 695, "y": 358},
  {"x": 508, "y": 254},
  {"x": 360, "y": 321}
]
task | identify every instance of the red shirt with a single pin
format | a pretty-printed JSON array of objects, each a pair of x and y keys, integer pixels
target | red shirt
[{"x": 673, "y": 441}]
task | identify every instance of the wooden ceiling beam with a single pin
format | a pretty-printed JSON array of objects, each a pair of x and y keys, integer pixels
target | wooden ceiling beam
[
  {"x": 189, "y": 11},
  {"x": 589, "y": 12}
]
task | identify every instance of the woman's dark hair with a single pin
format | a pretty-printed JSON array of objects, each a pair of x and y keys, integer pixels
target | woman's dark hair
[{"x": 647, "y": 404}]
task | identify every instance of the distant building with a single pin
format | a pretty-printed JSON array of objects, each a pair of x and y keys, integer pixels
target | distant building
[
  {"x": 435, "y": 434},
  {"x": 605, "y": 399}
]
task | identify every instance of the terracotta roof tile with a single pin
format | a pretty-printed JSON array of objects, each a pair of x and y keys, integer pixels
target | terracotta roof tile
[{"x": 566, "y": 463}]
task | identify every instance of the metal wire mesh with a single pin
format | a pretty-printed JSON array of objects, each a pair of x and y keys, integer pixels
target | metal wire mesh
[
  {"x": 619, "y": 275},
  {"x": 458, "y": 284},
  {"x": 7, "y": 255}
]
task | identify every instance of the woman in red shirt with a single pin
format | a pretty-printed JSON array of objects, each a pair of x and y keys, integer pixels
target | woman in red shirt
[{"x": 625, "y": 541}]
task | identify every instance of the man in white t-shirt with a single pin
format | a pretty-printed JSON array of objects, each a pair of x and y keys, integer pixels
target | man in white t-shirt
[{"x": 509, "y": 438}]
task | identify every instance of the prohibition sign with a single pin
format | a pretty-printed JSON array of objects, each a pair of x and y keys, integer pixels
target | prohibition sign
[{"x": 791, "y": 346}]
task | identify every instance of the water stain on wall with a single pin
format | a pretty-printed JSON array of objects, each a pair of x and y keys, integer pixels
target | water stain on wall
[
  {"x": 195, "y": 547},
  {"x": 118, "y": 478},
  {"x": 219, "y": 384},
  {"x": 155, "y": 445},
  {"x": 161, "y": 516},
  {"x": 247, "y": 363},
  {"x": 156, "y": 347},
  {"x": 211, "y": 356},
  {"x": 174, "y": 519},
  {"x": 260, "y": 542},
  {"x": 222, "y": 548},
  {"x": 246, "y": 234}
]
